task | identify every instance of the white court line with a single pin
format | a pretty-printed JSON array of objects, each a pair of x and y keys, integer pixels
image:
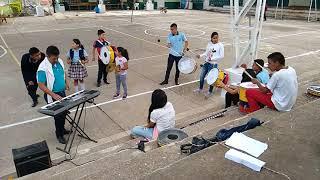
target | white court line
[
  {"x": 129, "y": 97},
  {"x": 99, "y": 104},
  {"x": 4, "y": 53},
  {"x": 138, "y": 59},
  {"x": 9, "y": 50},
  {"x": 47, "y": 30}
]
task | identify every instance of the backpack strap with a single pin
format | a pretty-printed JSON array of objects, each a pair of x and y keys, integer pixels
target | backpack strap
[
  {"x": 71, "y": 53},
  {"x": 81, "y": 54}
]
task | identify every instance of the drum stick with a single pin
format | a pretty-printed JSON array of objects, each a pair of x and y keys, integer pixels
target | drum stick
[
  {"x": 246, "y": 72},
  {"x": 260, "y": 66}
]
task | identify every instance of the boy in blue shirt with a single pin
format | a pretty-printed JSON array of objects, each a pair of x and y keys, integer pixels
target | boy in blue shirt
[
  {"x": 52, "y": 81},
  {"x": 261, "y": 74}
]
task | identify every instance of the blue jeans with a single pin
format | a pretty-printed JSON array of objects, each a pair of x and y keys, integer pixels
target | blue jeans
[
  {"x": 206, "y": 68},
  {"x": 142, "y": 132},
  {"x": 121, "y": 79}
]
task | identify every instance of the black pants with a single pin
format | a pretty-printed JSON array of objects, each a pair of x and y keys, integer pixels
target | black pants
[
  {"x": 60, "y": 119},
  {"x": 32, "y": 91},
  {"x": 231, "y": 98},
  {"x": 171, "y": 60},
  {"x": 102, "y": 71},
  {"x": 265, "y": 17}
]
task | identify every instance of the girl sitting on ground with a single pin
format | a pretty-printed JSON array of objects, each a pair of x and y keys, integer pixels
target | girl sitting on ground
[{"x": 161, "y": 116}]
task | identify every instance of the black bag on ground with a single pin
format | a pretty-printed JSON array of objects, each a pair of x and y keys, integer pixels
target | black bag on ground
[{"x": 198, "y": 143}]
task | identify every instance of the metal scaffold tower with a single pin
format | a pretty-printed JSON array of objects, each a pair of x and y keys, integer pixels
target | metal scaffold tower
[
  {"x": 249, "y": 52},
  {"x": 315, "y": 10}
]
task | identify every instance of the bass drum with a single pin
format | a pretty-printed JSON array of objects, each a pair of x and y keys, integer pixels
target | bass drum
[
  {"x": 112, "y": 64},
  {"x": 187, "y": 65}
]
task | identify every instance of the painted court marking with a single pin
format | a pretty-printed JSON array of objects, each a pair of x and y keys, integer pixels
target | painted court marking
[
  {"x": 4, "y": 51},
  {"x": 9, "y": 50},
  {"x": 132, "y": 96}
]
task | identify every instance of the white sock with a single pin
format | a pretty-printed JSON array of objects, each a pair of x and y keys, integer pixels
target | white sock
[
  {"x": 76, "y": 88},
  {"x": 82, "y": 86}
]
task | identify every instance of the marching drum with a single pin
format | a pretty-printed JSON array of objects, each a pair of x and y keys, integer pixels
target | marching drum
[
  {"x": 112, "y": 64},
  {"x": 215, "y": 76},
  {"x": 243, "y": 88},
  {"x": 107, "y": 54},
  {"x": 187, "y": 65},
  {"x": 314, "y": 90}
]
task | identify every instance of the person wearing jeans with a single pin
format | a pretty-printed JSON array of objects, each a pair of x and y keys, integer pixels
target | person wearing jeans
[
  {"x": 121, "y": 71},
  {"x": 161, "y": 117},
  {"x": 213, "y": 55}
]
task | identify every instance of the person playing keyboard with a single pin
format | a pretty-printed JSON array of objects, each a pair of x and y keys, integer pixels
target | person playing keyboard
[{"x": 52, "y": 81}]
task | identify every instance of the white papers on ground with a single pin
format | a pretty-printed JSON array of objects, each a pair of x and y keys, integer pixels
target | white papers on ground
[
  {"x": 244, "y": 143},
  {"x": 244, "y": 159}
]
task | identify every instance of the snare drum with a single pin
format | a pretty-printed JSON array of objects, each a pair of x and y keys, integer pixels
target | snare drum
[
  {"x": 215, "y": 76},
  {"x": 187, "y": 65},
  {"x": 243, "y": 89}
]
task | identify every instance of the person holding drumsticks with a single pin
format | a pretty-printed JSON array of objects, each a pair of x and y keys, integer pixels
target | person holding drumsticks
[
  {"x": 213, "y": 55},
  {"x": 281, "y": 91},
  {"x": 178, "y": 44}
]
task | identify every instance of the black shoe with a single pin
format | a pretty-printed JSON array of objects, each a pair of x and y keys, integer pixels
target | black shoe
[
  {"x": 66, "y": 132},
  {"x": 34, "y": 104},
  {"x": 106, "y": 82},
  {"x": 37, "y": 95},
  {"x": 98, "y": 84},
  {"x": 176, "y": 82},
  {"x": 164, "y": 82},
  {"x": 61, "y": 140}
]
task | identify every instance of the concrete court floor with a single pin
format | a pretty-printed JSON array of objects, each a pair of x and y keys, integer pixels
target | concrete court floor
[{"x": 297, "y": 40}]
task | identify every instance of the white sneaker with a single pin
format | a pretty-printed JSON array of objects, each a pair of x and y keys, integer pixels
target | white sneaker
[
  {"x": 208, "y": 94},
  {"x": 198, "y": 91}
]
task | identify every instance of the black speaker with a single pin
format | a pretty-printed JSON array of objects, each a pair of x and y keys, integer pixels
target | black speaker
[{"x": 32, "y": 158}]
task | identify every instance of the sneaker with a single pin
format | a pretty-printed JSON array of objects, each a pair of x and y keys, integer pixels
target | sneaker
[
  {"x": 116, "y": 95},
  {"x": 34, "y": 104},
  {"x": 62, "y": 140},
  {"x": 176, "y": 82},
  {"x": 208, "y": 95},
  {"x": 98, "y": 84},
  {"x": 164, "y": 82},
  {"x": 198, "y": 91},
  {"x": 106, "y": 82},
  {"x": 124, "y": 96}
]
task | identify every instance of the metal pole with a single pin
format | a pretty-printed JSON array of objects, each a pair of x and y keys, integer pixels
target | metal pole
[
  {"x": 310, "y": 10},
  {"x": 275, "y": 14},
  {"x": 132, "y": 10},
  {"x": 281, "y": 9}
]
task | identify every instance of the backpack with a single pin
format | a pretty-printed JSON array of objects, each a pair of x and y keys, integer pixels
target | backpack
[{"x": 81, "y": 54}]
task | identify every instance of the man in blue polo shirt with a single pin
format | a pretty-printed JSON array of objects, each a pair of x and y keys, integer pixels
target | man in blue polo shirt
[
  {"x": 52, "y": 81},
  {"x": 178, "y": 43}
]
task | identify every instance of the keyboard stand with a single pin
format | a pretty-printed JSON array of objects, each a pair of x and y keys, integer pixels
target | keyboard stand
[{"x": 74, "y": 122}]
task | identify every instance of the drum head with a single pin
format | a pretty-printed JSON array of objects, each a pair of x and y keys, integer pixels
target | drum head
[
  {"x": 105, "y": 55},
  {"x": 186, "y": 65},
  {"x": 249, "y": 85},
  {"x": 212, "y": 76}
]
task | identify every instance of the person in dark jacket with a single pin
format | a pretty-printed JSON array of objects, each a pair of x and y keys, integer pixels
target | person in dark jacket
[{"x": 29, "y": 66}]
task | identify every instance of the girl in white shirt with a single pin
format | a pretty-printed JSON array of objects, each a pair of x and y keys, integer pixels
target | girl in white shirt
[
  {"x": 213, "y": 55},
  {"x": 161, "y": 116},
  {"x": 121, "y": 71}
]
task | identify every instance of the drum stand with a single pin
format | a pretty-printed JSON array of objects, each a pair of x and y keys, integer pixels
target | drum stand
[{"x": 74, "y": 122}]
